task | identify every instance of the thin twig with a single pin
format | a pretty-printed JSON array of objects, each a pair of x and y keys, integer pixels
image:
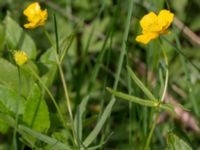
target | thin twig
[{"x": 193, "y": 37}]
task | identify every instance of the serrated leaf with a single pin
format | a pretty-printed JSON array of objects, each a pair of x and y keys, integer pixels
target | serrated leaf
[
  {"x": 16, "y": 38},
  {"x": 36, "y": 114},
  {"x": 176, "y": 143}
]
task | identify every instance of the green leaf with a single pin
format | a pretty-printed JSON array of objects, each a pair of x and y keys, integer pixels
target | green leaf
[
  {"x": 9, "y": 77},
  {"x": 7, "y": 119},
  {"x": 134, "y": 99},
  {"x": 3, "y": 127},
  {"x": 49, "y": 65},
  {"x": 78, "y": 117},
  {"x": 176, "y": 143},
  {"x": 2, "y": 36},
  {"x": 16, "y": 38},
  {"x": 36, "y": 114},
  {"x": 169, "y": 107},
  {"x": 140, "y": 84},
  {"x": 9, "y": 100},
  {"x": 88, "y": 140},
  {"x": 62, "y": 135},
  {"x": 56, "y": 145}
]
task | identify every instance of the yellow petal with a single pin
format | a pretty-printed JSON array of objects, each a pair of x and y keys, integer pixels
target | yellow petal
[
  {"x": 165, "y": 18},
  {"x": 43, "y": 16},
  {"x": 35, "y": 15},
  {"x": 146, "y": 38},
  {"x": 149, "y": 23},
  {"x": 30, "y": 25},
  {"x": 32, "y": 9}
]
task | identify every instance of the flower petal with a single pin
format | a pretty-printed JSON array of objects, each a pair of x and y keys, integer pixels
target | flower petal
[
  {"x": 149, "y": 23},
  {"x": 32, "y": 9},
  {"x": 43, "y": 17},
  {"x": 146, "y": 38},
  {"x": 30, "y": 25},
  {"x": 35, "y": 15},
  {"x": 165, "y": 18}
]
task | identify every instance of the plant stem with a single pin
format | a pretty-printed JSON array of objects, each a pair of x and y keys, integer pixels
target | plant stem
[
  {"x": 51, "y": 97},
  {"x": 67, "y": 100},
  {"x": 57, "y": 51},
  {"x": 151, "y": 132},
  {"x": 166, "y": 76},
  {"x": 162, "y": 97},
  {"x": 58, "y": 61},
  {"x": 17, "y": 115}
]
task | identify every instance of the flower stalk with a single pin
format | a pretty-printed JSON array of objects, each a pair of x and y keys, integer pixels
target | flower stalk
[{"x": 161, "y": 99}]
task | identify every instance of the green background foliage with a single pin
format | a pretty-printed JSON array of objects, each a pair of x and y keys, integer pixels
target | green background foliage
[{"x": 92, "y": 35}]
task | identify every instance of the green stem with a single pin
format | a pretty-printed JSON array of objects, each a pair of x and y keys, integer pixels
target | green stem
[
  {"x": 57, "y": 51},
  {"x": 17, "y": 115},
  {"x": 58, "y": 61},
  {"x": 50, "y": 95},
  {"x": 151, "y": 132},
  {"x": 166, "y": 76},
  {"x": 67, "y": 101},
  {"x": 162, "y": 97}
]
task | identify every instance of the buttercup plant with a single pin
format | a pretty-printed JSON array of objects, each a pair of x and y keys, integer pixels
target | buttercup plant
[
  {"x": 153, "y": 25},
  {"x": 53, "y": 77},
  {"x": 35, "y": 16}
]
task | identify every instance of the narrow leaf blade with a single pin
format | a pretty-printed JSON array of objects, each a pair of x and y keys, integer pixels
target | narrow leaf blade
[
  {"x": 134, "y": 99},
  {"x": 140, "y": 84}
]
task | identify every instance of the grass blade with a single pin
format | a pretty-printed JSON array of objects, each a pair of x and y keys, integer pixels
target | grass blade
[
  {"x": 89, "y": 139},
  {"x": 78, "y": 117},
  {"x": 51, "y": 141}
]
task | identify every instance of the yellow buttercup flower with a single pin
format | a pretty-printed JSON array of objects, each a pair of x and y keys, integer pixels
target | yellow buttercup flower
[
  {"x": 35, "y": 15},
  {"x": 153, "y": 25},
  {"x": 20, "y": 57}
]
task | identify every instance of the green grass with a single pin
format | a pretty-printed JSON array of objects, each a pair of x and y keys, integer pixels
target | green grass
[{"x": 89, "y": 85}]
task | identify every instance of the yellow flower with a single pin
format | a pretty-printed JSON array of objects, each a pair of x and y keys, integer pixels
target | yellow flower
[
  {"x": 35, "y": 16},
  {"x": 153, "y": 25},
  {"x": 20, "y": 57}
]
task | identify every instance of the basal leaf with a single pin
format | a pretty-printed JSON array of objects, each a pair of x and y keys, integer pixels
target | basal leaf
[
  {"x": 9, "y": 77},
  {"x": 36, "y": 114},
  {"x": 3, "y": 127},
  {"x": 9, "y": 100}
]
